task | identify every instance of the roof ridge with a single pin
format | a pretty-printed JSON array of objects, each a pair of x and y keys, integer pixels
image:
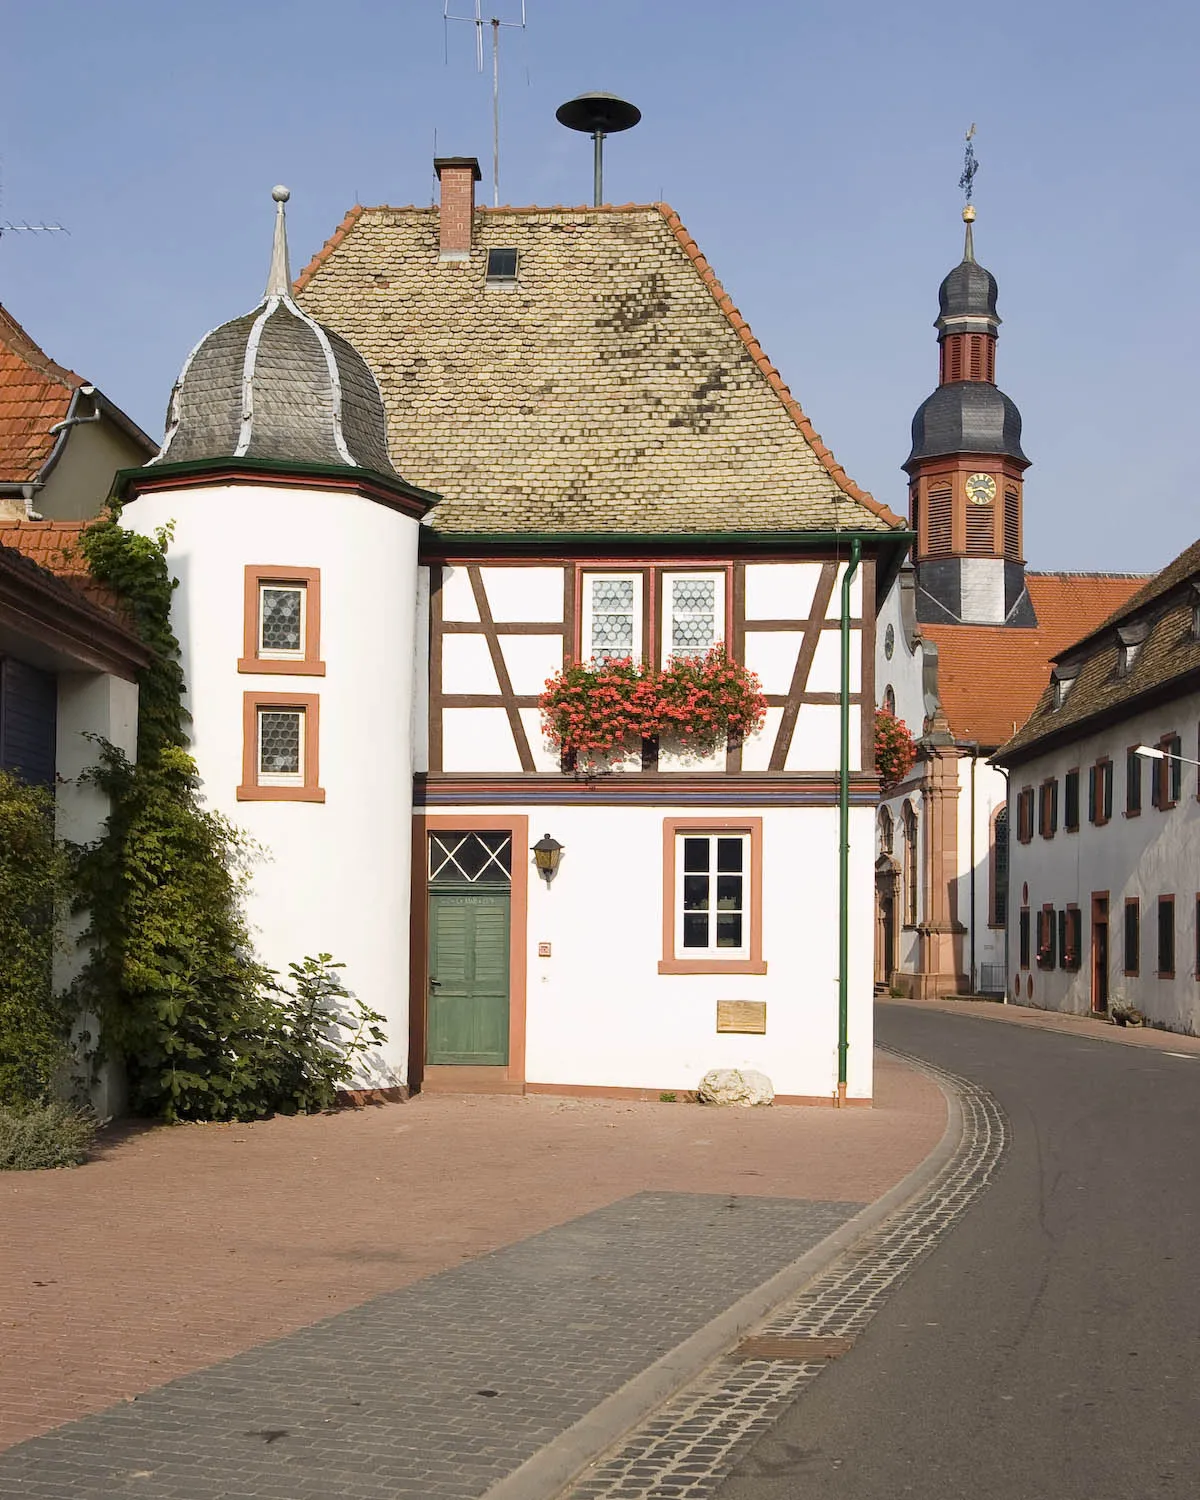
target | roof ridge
[
  {"x": 1077, "y": 573},
  {"x": 793, "y": 408},
  {"x": 335, "y": 239},
  {"x": 15, "y": 338}
]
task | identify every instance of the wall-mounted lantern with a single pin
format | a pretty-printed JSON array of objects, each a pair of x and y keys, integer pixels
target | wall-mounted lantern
[{"x": 546, "y": 854}]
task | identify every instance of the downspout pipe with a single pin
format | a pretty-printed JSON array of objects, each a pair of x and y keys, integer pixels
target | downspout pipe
[{"x": 844, "y": 827}]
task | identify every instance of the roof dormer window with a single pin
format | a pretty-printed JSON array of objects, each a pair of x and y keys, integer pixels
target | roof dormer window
[
  {"x": 1196, "y": 610},
  {"x": 502, "y": 267},
  {"x": 1130, "y": 639},
  {"x": 1062, "y": 680}
]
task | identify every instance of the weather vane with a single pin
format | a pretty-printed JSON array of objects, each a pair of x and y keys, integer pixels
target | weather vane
[{"x": 970, "y": 165}]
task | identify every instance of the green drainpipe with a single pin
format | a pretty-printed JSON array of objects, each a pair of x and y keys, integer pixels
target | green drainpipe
[{"x": 844, "y": 828}]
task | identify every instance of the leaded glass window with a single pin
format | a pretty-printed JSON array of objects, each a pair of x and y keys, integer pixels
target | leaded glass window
[
  {"x": 471, "y": 857},
  {"x": 281, "y": 619},
  {"x": 712, "y": 874},
  {"x": 694, "y": 608},
  {"x": 280, "y": 744},
  {"x": 613, "y": 612}
]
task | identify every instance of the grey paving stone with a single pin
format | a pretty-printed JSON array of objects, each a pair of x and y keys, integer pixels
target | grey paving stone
[{"x": 383, "y": 1402}]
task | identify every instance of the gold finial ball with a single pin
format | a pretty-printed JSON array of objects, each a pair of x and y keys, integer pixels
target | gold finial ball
[{"x": 969, "y": 214}]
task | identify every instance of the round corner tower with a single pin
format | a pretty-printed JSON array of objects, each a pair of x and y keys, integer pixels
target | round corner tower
[{"x": 294, "y": 542}]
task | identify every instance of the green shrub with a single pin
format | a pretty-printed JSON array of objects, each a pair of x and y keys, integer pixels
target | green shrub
[
  {"x": 45, "y": 1135},
  {"x": 34, "y": 885}
]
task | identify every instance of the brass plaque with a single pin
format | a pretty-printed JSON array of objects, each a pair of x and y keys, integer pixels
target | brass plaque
[{"x": 742, "y": 1015}]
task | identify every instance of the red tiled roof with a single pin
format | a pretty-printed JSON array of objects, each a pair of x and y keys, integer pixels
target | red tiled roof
[
  {"x": 54, "y": 545},
  {"x": 990, "y": 677},
  {"x": 34, "y": 394}
]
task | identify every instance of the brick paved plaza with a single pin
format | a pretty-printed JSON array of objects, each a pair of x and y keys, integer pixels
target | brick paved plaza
[{"x": 179, "y": 1248}]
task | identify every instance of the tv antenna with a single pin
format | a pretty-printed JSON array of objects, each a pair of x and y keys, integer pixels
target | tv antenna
[
  {"x": 479, "y": 22},
  {"x": 10, "y": 226},
  {"x": 598, "y": 115}
]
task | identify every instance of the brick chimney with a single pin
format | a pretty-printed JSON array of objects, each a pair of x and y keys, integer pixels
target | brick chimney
[{"x": 458, "y": 176}]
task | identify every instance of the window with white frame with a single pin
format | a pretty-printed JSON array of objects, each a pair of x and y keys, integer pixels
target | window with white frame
[
  {"x": 612, "y": 616},
  {"x": 693, "y": 613},
  {"x": 712, "y": 917},
  {"x": 281, "y": 746},
  {"x": 281, "y": 620}
]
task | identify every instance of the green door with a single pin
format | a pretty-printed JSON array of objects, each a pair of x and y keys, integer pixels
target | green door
[{"x": 468, "y": 977}]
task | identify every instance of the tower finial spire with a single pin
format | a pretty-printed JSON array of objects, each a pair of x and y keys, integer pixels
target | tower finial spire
[
  {"x": 279, "y": 279},
  {"x": 967, "y": 183}
]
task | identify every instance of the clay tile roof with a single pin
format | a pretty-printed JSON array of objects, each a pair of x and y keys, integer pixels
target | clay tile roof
[
  {"x": 991, "y": 677},
  {"x": 1167, "y": 650},
  {"x": 34, "y": 394},
  {"x": 615, "y": 388},
  {"x": 54, "y": 546}
]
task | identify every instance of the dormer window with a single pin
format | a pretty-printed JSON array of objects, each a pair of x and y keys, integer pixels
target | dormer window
[
  {"x": 1062, "y": 680},
  {"x": 1196, "y": 610},
  {"x": 1130, "y": 639},
  {"x": 501, "y": 267}
]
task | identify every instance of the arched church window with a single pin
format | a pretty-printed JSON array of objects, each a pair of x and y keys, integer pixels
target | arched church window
[
  {"x": 999, "y": 862},
  {"x": 910, "y": 866},
  {"x": 887, "y": 831},
  {"x": 889, "y": 699}
]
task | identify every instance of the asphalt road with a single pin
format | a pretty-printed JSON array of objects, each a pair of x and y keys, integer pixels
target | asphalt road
[{"x": 1050, "y": 1347}]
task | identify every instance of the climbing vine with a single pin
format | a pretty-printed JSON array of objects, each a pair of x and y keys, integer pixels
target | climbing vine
[{"x": 205, "y": 1030}]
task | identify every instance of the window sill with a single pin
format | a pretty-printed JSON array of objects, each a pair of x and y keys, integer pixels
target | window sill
[
  {"x": 280, "y": 793},
  {"x": 280, "y": 666},
  {"x": 1164, "y": 973},
  {"x": 712, "y": 966}
]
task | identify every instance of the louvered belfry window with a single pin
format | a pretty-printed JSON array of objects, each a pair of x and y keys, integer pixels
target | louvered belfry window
[
  {"x": 1012, "y": 525},
  {"x": 981, "y": 529},
  {"x": 939, "y": 513}
]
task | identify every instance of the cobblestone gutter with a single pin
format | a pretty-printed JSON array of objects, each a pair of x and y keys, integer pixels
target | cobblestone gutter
[{"x": 690, "y": 1445}]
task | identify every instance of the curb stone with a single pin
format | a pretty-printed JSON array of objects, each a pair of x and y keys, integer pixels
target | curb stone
[{"x": 559, "y": 1463}]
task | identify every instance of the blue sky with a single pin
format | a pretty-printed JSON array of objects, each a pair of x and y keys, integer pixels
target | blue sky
[{"x": 813, "y": 149}]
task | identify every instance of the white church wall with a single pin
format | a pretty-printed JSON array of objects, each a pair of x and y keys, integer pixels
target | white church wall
[
  {"x": 329, "y": 876},
  {"x": 988, "y": 946},
  {"x": 902, "y": 669},
  {"x": 600, "y": 1014}
]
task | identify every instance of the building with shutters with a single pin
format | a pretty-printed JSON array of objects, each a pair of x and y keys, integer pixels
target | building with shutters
[
  {"x": 1105, "y": 904},
  {"x": 964, "y": 640},
  {"x": 599, "y": 460}
]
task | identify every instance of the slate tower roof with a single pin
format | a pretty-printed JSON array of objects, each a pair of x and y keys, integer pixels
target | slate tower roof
[{"x": 277, "y": 385}]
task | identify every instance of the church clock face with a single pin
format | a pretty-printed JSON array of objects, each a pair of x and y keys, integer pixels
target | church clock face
[{"x": 981, "y": 489}]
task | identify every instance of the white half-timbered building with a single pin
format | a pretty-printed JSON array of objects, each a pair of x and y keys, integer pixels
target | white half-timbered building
[{"x": 599, "y": 461}]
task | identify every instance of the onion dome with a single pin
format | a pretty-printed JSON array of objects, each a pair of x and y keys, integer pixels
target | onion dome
[
  {"x": 967, "y": 416},
  {"x": 277, "y": 386},
  {"x": 967, "y": 297}
]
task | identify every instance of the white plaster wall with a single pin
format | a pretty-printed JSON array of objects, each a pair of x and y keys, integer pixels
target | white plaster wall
[
  {"x": 780, "y": 591},
  {"x": 524, "y": 594},
  {"x": 458, "y": 598},
  {"x": 530, "y": 660},
  {"x": 772, "y": 654},
  {"x": 817, "y": 740},
  {"x": 89, "y": 703},
  {"x": 1147, "y": 856},
  {"x": 825, "y": 674},
  {"x": 756, "y": 751},
  {"x": 332, "y": 877},
  {"x": 598, "y": 1011},
  {"x": 478, "y": 739},
  {"x": 420, "y": 711},
  {"x": 467, "y": 666},
  {"x": 989, "y": 794}
]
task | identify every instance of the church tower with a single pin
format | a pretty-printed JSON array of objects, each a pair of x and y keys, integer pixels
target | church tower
[{"x": 966, "y": 467}]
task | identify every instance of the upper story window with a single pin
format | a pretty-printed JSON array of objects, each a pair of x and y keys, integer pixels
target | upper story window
[
  {"x": 1025, "y": 815},
  {"x": 1071, "y": 798},
  {"x": 612, "y": 616},
  {"x": 1133, "y": 783},
  {"x": 1100, "y": 788},
  {"x": 501, "y": 266},
  {"x": 1166, "y": 775},
  {"x": 279, "y": 748},
  {"x": 1048, "y": 809},
  {"x": 282, "y": 625},
  {"x": 693, "y": 613}
]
